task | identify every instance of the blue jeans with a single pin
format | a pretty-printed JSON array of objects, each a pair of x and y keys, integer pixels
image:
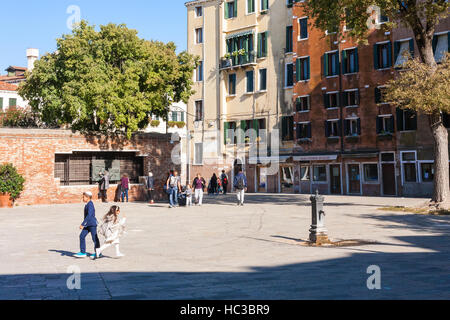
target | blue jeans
[
  {"x": 124, "y": 193},
  {"x": 84, "y": 233},
  {"x": 173, "y": 198}
]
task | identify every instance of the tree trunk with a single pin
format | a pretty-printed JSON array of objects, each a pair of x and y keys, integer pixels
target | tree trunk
[{"x": 441, "y": 174}]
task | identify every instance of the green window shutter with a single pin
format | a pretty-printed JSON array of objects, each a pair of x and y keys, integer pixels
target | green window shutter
[
  {"x": 266, "y": 39},
  {"x": 399, "y": 114},
  {"x": 235, "y": 9},
  {"x": 297, "y": 70},
  {"x": 226, "y": 10},
  {"x": 307, "y": 69},
  {"x": 336, "y": 61},
  {"x": 344, "y": 98},
  {"x": 344, "y": 61},
  {"x": 375, "y": 56},
  {"x": 244, "y": 129},
  {"x": 1, "y": 104},
  {"x": 390, "y": 54},
  {"x": 434, "y": 44},
  {"x": 182, "y": 116},
  {"x": 226, "y": 128},
  {"x": 411, "y": 47},
  {"x": 377, "y": 95},
  {"x": 259, "y": 45},
  {"x": 325, "y": 65},
  {"x": 12, "y": 102},
  {"x": 264, "y": 5},
  {"x": 356, "y": 60},
  {"x": 250, "y": 81},
  {"x": 396, "y": 49}
]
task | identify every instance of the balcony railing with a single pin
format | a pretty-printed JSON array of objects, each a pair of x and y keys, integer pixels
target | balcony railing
[{"x": 238, "y": 61}]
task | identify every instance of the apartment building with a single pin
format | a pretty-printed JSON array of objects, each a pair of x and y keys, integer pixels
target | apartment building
[
  {"x": 350, "y": 140},
  {"x": 245, "y": 52}
]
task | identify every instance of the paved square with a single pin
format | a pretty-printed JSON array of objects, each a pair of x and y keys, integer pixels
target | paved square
[{"x": 221, "y": 251}]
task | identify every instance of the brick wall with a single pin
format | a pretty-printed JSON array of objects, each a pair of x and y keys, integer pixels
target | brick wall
[{"x": 33, "y": 154}]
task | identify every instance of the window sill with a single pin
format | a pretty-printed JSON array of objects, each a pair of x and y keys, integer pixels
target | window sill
[
  {"x": 383, "y": 69},
  {"x": 333, "y": 108},
  {"x": 350, "y": 74},
  {"x": 300, "y": 39},
  {"x": 286, "y": 88},
  {"x": 249, "y": 93},
  {"x": 353, "y": 106},
  {"x": 261, "y": 91},
  {"x": 330, "y": 77},
  {"x": 231, "y": 96},
  {"x": 303, "y": 111},
  {"x": 303, "y": 81}
]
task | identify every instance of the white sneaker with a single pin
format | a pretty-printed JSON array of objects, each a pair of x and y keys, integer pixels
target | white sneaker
[{"x": 119, "y": 255}]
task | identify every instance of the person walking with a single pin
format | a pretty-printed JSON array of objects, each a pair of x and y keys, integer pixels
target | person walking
[
  {"x": 199, "y": 187},
  {"x": 112, "y": 229},
  {"x": 125, "y": 184},
  {"x": 213, "y": 183},
  {"x": 104, "y": 186},
  {"x": 89, "y": 225},
  {"x": 240, "y": 185},
  {"x": 174, "y": 186},
  {"x": 224, "y": 179},
  {"x": 150, "y": 187}
]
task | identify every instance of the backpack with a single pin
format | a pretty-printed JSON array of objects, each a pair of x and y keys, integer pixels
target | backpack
[
  {"x": 241, "y": 183},
  {"x": 225, "y": 180}
]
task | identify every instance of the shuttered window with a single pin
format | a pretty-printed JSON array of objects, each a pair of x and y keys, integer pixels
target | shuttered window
[
  {"x": 382, "y": 55},
  {"x": 262, "y": 44},
  {"x": 289, "y": 40},
  {"x": 331, "y": 64},
  {"x": 250, "y": 81},
  {"x": 302, "y": 69},
  {"x": 303, "y": 28}
]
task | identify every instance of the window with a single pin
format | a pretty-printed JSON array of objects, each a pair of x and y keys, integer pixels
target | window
[
  {"x": 382, "y": 55},
  {"x": 350, "y": 62},
  {"x": 331, "y": 100},
  {"x": 12, "y": 102},
  {"x": 199, "y": 110},
  {"x": 289, "y": 42},
  {"x": 289, "y": 80},
  {"x": 250, "y": 6},
  {"x": 230, "y": 132},
  {"x": 264, "y": 5},
  {"x": 232, "y": 84},
  {"x": 427, "y": 172},
  {"x": 370, "y": 172},
  {"x": 440, "y": 46},
  {"x": 387, "y": 156},
  {"x": 352, "y": 127},
  {"x": 379, "y": 95},
  {"x": 402, "y": 48},
  {"x": 385, "y": 124},
  {"x": 287, "y": 128},
  {"x": 302, "y": 69},
  {"x": 304, "y": 173},
  {"x": 331, "y": 64},
  {"x": 320, "y": 173},
  {"x": 262, "y": 45},
  {"x": 303, "y": 28},
  {"x": 350, "y": 98},
  {"x": 262, "y": 79},
  {"x": 406, "y": 120},
  {"x": 304, "y": 130},
  {"x": 244, "y": 43},
  {"x": 303, "y": 103},
  {"x": 198, "y": 11},
  {"x": 382, "y": 18},
  {"x": 199, "y": 35},
  {"x": 230, "y": 9},
  {"x": 332, "y": 128},
  {"x": 408, "y": 160},
  {"x": 199, "y": 72},
  {"x": 198, "y": 158},
  {"x": 249, "y": 77},
  {"x": 83, "y": 168},
  {"x": 174, "y": 116}
]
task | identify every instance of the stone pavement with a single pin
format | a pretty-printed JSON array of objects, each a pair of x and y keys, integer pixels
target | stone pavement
[{"x": 221, "y": 251}]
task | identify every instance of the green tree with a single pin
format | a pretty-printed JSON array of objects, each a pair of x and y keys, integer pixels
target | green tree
[
  {"x": 108, "y": 81},
  {"x": 422, "y": 17}
]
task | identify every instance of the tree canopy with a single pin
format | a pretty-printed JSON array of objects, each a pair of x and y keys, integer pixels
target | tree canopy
[{"x": 108, "y": 81}]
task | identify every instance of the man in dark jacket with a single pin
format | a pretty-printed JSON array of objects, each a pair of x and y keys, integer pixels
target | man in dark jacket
[
  {"x": 240, "y": 185},
  {"x": 89, "y": 225},
  {"x": 224, "y": 179}
]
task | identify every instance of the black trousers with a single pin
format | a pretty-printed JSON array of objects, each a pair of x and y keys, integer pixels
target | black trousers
[
  {"x": 225, "y": 187},
  {"x": 149, "y": 195}
]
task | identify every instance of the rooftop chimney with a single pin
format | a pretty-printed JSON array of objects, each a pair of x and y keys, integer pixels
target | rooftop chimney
[{"x": 32, "y": 56}]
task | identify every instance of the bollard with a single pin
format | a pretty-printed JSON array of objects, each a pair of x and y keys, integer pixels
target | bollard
[{"x": 318, "y": 233}]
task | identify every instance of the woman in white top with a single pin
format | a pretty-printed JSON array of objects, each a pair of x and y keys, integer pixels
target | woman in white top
[{"x": 112, "y": 229}]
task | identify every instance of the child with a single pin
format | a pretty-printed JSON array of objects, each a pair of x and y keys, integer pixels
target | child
[
  {"x": 112, "y": 229},
  {"x": 188, "y": 195}
]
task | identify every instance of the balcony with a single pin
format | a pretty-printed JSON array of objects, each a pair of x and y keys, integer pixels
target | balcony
[{"x": 238, "y": 61}]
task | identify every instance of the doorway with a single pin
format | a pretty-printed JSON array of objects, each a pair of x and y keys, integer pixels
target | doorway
[
  {"x": 388, "y": 172},
  {"x": 335, "y": 179},
  {"x": 354, "y": 179}
]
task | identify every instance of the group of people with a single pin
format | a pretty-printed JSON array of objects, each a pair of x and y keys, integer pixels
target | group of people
[
  {"x": 111, "y": 228},
  {"x": 174, "y": 188},
  {"x": 122, "y": 188}
]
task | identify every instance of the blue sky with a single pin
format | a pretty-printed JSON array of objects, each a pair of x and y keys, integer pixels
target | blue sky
[{"x": 37, "y": 23}]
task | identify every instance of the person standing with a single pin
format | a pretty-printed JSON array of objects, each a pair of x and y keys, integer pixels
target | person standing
[
  {"x": 89, "y": 225},
  {"x": 125, "y": 184},
  {"x": 112, "y": 229},
  {"x": 174, "y": 186},
  {"x": 240, "y": 184},
  {"x": 224, "y": 179},
  {"x": 199, "y": 186},
  {"x": 150, "y": 187},
  {"x": 188, "y": 195},
  {"x": 104, "y": 186},
  {"x": 213, "y": 183}
]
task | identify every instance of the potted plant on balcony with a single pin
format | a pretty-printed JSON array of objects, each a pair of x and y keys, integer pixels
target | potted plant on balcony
[
  {"x": 154, "y": 123},
  {"x": 11, "y": 185}
]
